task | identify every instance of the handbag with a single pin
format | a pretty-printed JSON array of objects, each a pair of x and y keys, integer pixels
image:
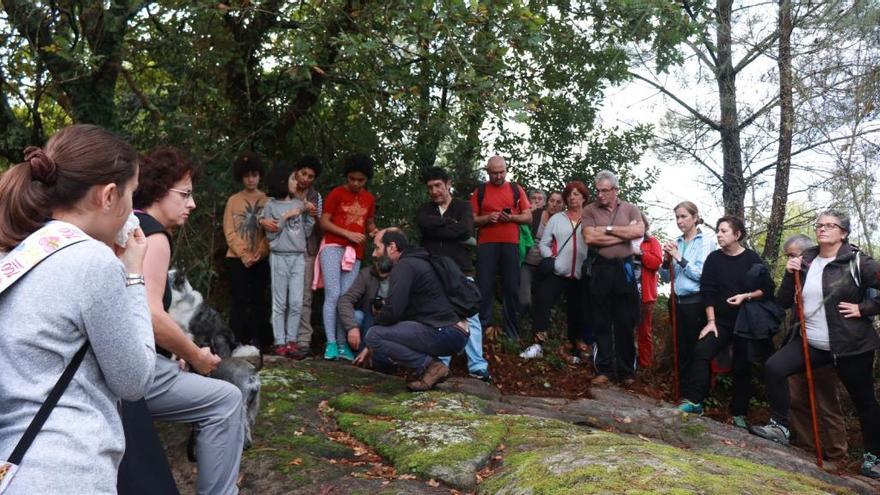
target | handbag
[{"x": 48, "y": 240}]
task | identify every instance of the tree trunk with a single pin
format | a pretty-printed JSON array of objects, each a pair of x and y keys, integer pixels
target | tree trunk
[
  {"x": 733, "y": 188},
  {"x": 786, "y": 125}
]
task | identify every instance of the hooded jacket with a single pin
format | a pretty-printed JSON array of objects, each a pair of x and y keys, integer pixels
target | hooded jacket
[
  {"x": 415, "y": 293},
  {"x": 849, "y": 336}
]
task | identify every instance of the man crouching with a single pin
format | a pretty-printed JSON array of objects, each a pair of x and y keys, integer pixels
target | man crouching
[{"x": 417, "y": 322}]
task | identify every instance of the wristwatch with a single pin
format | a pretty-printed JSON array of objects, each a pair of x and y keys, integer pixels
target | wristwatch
[{"x": 609, "y": 229}]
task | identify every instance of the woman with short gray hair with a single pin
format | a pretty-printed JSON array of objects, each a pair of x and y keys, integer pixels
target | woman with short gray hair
[{"x": 837, "y": 309}]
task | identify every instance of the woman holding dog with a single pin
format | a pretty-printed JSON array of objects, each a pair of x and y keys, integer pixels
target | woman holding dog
[
  {"x": 80, "y": 299},
  {"x": 164, "y": 200}
]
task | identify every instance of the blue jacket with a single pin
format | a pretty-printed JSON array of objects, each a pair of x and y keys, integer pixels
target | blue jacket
[{"x": 688, "y": 272}]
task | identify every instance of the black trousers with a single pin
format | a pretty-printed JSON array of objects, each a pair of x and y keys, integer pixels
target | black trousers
[
  {"x": 689, "y": 322},
  {"x": 614, "y": 303},
  {"x": 494, "y": 258},
  {"x": 547, "y": 292},
  {"x": 249, "y": 308},
  {"x": 696, "y": 378},
  {"x": 855, "y": 372},
  {"x": 144, "y": 468}
]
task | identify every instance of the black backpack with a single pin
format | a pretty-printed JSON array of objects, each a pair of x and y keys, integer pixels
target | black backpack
[{"x": 461, "y": 291}]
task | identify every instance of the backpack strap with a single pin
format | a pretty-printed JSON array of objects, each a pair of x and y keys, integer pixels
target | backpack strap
[{"x": 481, "y": 193}]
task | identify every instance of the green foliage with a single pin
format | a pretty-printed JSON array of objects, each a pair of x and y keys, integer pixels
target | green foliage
[{"x": 440, "y": 84}]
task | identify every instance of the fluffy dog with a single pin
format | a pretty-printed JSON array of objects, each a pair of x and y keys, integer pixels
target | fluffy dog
[{"x": 204, "y": 325}]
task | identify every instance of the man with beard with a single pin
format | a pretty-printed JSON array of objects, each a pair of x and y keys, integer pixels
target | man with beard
[
  {"x": 446, "y": 225},
  {"x": 417, "y": 323}
]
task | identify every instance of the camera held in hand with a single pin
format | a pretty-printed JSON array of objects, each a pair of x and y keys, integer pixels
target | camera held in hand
[{"x": 378, "y": 302}]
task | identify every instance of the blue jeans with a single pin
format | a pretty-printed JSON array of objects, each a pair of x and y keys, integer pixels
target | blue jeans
[
  {"x": 474, "y": 347},
  {"x": 381, "y": 363},
  {"x": 414, "y": 345}
]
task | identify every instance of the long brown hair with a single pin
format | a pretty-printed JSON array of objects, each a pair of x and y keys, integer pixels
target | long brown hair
[{"x": 60, "y": 175}]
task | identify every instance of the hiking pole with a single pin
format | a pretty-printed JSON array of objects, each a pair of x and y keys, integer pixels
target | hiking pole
[
  {"x": 799, "y": 302},
  {"x": 675, "y": 370}
]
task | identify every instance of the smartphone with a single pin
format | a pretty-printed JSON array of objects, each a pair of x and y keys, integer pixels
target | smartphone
[{"x": 506, "y": 210}]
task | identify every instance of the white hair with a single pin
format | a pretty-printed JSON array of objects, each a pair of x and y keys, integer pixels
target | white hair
[{"x": 607, "y": 175}]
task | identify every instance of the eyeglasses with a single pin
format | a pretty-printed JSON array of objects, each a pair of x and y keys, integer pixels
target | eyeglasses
[
  {"x": 184, "y": 193},
  {"x": 827, "y": 226},
  {"x": 606, "y": 191}
]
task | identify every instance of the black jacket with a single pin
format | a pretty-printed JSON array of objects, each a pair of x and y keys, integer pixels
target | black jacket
[
  {"x": 849, "y": 336},
  {"x": 415, "y": 293},
  {"x": 445, "y": 234},
  {"x": 759, "y": 319}
]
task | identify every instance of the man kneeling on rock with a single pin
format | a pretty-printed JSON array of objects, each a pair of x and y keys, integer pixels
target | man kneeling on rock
[{"x": 417, "y": 323}]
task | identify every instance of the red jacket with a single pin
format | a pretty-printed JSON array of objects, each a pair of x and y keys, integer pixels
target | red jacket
[{"x": 652, "y": 258}]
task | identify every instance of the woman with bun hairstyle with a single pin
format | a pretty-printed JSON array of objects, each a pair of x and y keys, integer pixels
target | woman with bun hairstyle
[
  {"x": 689, "y": 252},
  {"x": 733, "y": 277},
  {"x": 86, "y": 297}
]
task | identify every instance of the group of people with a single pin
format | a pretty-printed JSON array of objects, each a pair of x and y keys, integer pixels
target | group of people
[
  {"x": 726, "y": 311},
  {"x": 91, "y": 320}
]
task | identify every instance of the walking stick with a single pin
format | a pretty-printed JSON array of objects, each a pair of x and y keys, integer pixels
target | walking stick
[
  {"x": 674, "y": 328},
  {"x": 799, "y": 301}
]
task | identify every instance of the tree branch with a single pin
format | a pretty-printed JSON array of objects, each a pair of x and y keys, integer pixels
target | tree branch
[
  {"x": 751, "y": 118},
  {"x": 702, "y": 118}
]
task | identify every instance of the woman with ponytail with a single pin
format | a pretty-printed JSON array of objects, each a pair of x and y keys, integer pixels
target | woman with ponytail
[
  {"x": 70, "y": 293},
  {"x": 689, "y": 252}
]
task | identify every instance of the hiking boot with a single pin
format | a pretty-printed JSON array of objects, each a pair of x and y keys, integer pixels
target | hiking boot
[
  {"x": 345, "y": 352},
  {"x": 482, "y": 375},
  {"x": 435, "y": 373},
  {"x": 740, "y": 422},
  {"x": 533, "y": 351},
  {"x": 870, "y": 466},
  {"x": 600, "y": 380},
  {"x": 773, "y": 431},
  {"x": 331, "y": 351},
  {"x": 690, "y": 407}
]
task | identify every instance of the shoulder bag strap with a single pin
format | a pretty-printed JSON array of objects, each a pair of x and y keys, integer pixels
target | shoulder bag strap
[
  {"x": 43, "y": 414},
  {"x": 573, "y": 231}
]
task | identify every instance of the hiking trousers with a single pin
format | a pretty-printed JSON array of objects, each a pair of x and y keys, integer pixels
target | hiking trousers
[{"x": 856, "y": 373}]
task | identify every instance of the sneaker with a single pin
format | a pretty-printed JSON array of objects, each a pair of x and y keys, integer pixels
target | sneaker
[
  {"x": 300, "y": 354},
  {"x": 772, "y": 431},
  {"x": 280, "y": 350},
  {"x": 628, "y": 382},
  {"x": 291, "y": 348},
  {"x": 331, "y": 351},
  {"x": 482, "y": 375},
  {"x": 533, "y": 351},
  {"x": 870, "y": 466},
  {"x": 690, "y": 407},
  {"x": 345, "y": 352},
  {"x": 435, "y": 373},
  {"x": 740, "y": 422}
]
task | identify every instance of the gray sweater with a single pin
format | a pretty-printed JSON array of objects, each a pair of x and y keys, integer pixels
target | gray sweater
[
  {"x": 75, "y": 295},
  {"x": 292, "y": 234}
]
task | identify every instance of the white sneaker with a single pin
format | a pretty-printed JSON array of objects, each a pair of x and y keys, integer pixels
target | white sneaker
[{"x": 533, "y": 351}]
